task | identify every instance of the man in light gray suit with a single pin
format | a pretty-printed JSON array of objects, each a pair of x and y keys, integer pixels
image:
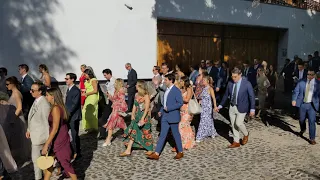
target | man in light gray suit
[{"x": 38, "y": 126}]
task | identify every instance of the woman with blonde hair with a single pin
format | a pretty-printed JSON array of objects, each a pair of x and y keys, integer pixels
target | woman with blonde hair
[
  {"x": 119, "y": 106},
  {"x": 59, "y": 139},
  {"x": 45, "y": 76},
  {"x": 138, "y": 134},
  {"x": 206, "y": 126},
  {"x": 82, "y": 80}
]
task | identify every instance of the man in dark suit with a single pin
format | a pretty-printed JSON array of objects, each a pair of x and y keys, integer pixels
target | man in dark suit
[
  {"x": 286, "y": 72},
  {"x": 26, "y": 83},
  {"x": 131, "y": 85},
  {"x": 300, "y": 72},
  {"x": 212, "y": 71},
  {"x": 219, "y": 81},
  {"x": 170, "y": 118},
  {"x": 242, "y": 101},
  {"x": 306, "y": 97},
  {"x": 73, "y": 106}
]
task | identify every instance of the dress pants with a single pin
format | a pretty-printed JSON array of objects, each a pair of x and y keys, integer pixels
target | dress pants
[
  {"x": 131, "y": 95},
  {"x": 35, "y": 154},
  {"x": 165, "y": 126},
  {"x": 237, "y": 123},
  {"x": 75, "y": 143},
  {"x": 307, "y": 108},
  {"x": 2, "y": 170},
  {"x": 104, "y": 119}
]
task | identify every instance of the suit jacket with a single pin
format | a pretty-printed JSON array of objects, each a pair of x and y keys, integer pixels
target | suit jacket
[
  {"x": 38, "y": 124},
  {"x": 214, "y": 73},
  {"x": 132, "y": 80},
  {"x": 220, "y": 78},
  {"x": 299, "y": 92},
  {"x": 173, "y": 104},
  {"x": 245, "y": 98},
  {"x": 26, "y": 84},
  {"x": 73, "y": 103},
  {"x": 304, "y": 76}
]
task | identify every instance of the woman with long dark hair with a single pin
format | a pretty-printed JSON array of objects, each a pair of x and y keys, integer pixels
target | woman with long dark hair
[
  {"x": 45, "y": 76},
  {"x": 90, "y": 107},
  {"x": 15, "y": 99},
  {"x": 59, "y": 139}
]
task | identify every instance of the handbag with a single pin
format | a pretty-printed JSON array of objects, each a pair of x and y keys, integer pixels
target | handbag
[
  {"x": 45, "y": 162},
  {"x": 193, "y": 106}
]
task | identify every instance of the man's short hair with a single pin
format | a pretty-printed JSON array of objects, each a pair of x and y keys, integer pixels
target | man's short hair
[
  {"x": 24, "y": 66},
  {"x": 236, "y": 70},
  {"x": 311, "y": 69},
  {"x": 171, "y": 77},
  {"x": 301, "y": 64},
  {"x": 4, "y": 96},
  {"x": 157, "y": 68},
  {"x": 72, "y": 76},
  {"x": 128, "y": 64},
  {"x": 41, "y": 87},
  {"x": 4, "y": 70},
  {"x": 107, "y": 71}
]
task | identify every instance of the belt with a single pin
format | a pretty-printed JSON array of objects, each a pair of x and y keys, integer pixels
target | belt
[{"x": 233, "y": 104}]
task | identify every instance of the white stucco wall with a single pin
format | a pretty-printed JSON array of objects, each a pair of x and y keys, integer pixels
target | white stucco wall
[
  {"x": 301, "y": 41},
  {"x": 105, "y": 34}
]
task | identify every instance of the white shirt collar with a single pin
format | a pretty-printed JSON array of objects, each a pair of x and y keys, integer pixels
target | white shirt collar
[
  {"x": 24, "y": 75},
  {"x": 38, "y": 99},
  {"x": 71, "y": 87}
]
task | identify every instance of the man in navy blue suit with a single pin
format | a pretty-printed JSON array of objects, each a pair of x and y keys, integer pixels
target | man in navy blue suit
[
  {"x": 242, "y": 101},
  {"x": 306, "y": 97},
  {"x": 73, "y": 106},
  {"x": 170, "y": 118}
]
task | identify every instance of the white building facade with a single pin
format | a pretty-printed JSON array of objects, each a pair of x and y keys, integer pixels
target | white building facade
[{"x": 108, "y": 34}]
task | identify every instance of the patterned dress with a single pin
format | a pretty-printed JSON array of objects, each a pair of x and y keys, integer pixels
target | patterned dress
[
  {"x": 118, "y": 104},
  {"x": 186, "y": 132},
  {"x": 206, "y": 126},
  {"x": 141, "y": 136}
]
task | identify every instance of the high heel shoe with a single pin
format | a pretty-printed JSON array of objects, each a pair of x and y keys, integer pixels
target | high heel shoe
[
  {"x": 124, "y": 154},
  {"x": 106, "y": 144}
]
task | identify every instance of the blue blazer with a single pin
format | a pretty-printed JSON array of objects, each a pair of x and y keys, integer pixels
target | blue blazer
[
  {"x": 299, "y": 91},
  {"x": 173, "y": 104},
  {"x": 73, "y": 104},
  {"x": 245, "y": 98}
]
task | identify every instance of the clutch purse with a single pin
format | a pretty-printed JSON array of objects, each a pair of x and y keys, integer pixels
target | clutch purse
[{"x": 45, "y": 162}]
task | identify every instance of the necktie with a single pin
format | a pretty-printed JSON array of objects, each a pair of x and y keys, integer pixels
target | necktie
[
  {"x": 234, "y": 95},
  {"x": 306, "y": 94}
]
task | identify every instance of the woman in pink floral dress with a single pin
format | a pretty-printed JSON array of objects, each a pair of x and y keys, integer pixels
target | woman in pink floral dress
[
  {"x": 118, "y": 105},
  {"x": 186, "y": 132}
]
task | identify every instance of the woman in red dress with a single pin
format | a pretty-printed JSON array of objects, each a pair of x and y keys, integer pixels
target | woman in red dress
[
  {"x": 59, "y": 139},
  {"x": 82, "y": 87}
]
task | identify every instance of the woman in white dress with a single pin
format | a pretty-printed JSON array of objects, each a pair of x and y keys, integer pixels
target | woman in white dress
[{"x": 23, "y": 144}]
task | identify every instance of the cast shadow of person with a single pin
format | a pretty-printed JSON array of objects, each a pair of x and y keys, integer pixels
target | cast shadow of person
[{"x": 89, "y": 144}]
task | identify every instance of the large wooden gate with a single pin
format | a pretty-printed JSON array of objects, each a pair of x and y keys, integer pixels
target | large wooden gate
[{"x": 186, "y": 43}]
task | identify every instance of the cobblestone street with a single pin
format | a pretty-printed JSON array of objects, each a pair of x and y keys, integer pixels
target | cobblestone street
[{"x": 273, "y": 152}]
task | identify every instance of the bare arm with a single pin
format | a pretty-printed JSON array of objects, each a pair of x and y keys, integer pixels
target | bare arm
[
  {"x": 211, "y": 91},
  {"x": 188, "y": 97},
  {"x": 47, "y": 80},
  {"x": 55, "y": 125},
  {"x": 146, "y": 110},
  {"x": 94, "y": 84},
  {"x": 18, "y": 104}
]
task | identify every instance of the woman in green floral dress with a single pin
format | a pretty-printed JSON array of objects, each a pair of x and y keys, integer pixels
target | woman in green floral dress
[{"x": 138, "y": 133}]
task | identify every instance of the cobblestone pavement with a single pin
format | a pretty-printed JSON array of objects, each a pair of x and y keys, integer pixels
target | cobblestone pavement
[{"x": 273, "y": 152}]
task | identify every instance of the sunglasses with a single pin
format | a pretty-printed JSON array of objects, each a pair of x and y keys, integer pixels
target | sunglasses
[
  {"x": 311, "y": 74},
  {"x": 7, "y": 84},
  {"x": 66, "y": 79}
]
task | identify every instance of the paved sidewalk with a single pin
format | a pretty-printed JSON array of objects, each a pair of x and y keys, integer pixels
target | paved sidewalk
[{"x": 273, "y": 152}]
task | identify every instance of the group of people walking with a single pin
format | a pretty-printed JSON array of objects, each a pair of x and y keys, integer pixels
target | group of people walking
[{"x": 49, "y": 124}]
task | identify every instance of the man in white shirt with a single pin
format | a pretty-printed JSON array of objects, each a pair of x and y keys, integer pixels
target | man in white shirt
[
  {"x": 107, "y": 73},
  {"x": 306, "y": 97}
]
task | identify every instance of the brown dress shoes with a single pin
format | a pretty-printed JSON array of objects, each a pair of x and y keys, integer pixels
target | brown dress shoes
[
  {"x": 178, "y": 156},
  {"x": 234, "y": 145},
  {"x": 245, "y": 140},
  {"x": 153, "y": 156}
]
